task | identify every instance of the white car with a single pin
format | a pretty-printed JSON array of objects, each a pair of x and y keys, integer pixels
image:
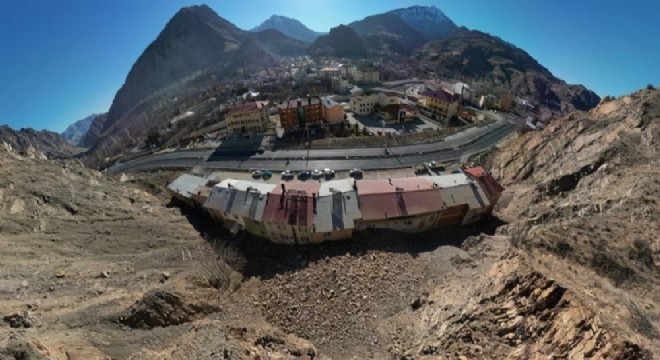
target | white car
[
  {"x": 316, "y": 173},
  {"x": 256, "y": 174},
  {"x": 287, "y": 174},
  {"x": 328, "y": 172}
]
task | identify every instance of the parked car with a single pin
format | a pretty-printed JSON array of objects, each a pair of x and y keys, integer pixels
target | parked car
[
  {"x": 355, "y": 173},
  {"x": 304, "y": 175},
  {"x": 256, "y": 174},
  {"x": 328, "y": 172},
  {"x": 260, "y": 150},
  {"x": 287, "y": 174},
  {"x": 266, "y": 174},
  {"x": 316, "y": 173}
]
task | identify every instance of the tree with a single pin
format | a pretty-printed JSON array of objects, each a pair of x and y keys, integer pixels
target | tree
[
  {"x": 153, "y": 137},
  {"x": 650, "y": 87}
]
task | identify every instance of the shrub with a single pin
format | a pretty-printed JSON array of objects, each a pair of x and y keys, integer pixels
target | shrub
[{"x": 650, "y": 87}]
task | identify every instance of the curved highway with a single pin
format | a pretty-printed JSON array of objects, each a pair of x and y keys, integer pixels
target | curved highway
[{"x": 452, "y": 148}]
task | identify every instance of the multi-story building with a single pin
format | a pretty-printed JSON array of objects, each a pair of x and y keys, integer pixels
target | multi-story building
[
  {"x": 366, "y": 102},
  {"x": 240, "y": 204},
  {"x": 289, "y": 212},
  {"x": 250, "y": 117},
  {"x": 337, "y": 211},
  {"x": 440, "y": 104},
  {"x": 463, "y": 200},
  {"x": 505, "y": 102},
  {"x": 299, "y": 113},
  {"x": 406, "y": 204},
  {"x": 310, "y": 212},
  {"x": 333, "y": 113}
]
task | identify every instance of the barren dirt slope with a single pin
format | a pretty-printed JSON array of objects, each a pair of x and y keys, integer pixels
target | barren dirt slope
[{"x": 78, "y": 251}]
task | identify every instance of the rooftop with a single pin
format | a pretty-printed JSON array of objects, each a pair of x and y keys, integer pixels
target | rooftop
[
  {"x": 252, "y": 105},
  {"x": 290, "y": 104},
  {"x": 391, "y": 198},
  {"x": 337, "y": 211},
  {"x": 333, "y": 186},
  {"x": 187, "y": 185},
  {"x": 441, "y": 95}
]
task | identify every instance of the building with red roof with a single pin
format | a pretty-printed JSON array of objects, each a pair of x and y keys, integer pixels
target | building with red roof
[
  {"x": 249, "y": 117},
  {"x": 289, "y": 212},
  {"x": 406, "y": 204},
  {"x": 440, "y": 104},
  {"x": 491, "y": 187}
]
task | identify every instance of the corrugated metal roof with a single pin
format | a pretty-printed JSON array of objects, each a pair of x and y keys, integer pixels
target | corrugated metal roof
[
  {"x": 187, "y": 185},
  {"x": 389, "y": 198},
  {"x": 486, "y": 180},
  {"x": 342, "y": 185},
  {"x": 459, "y": 189},
  {"x": 337, "y": 211},
  {"x": 294, "y": 205}
]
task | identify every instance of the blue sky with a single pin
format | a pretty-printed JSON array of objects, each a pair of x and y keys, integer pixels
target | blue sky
[{"x": 63, "y": 60}]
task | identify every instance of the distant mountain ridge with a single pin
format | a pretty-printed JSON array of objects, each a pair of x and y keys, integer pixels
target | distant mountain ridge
[
  {"x": 76, "y": 131},
  {"x": 475, "y": 55},
  {"x": 51, "y": 144},
  {"x": 289, "y": 27},
  {"x": 342, "y": 41},
  {"x": 429, "y": 21}
]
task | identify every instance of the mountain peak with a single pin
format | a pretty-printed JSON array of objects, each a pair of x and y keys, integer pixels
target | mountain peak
[
  {"x": 429, "y": 21},
  {"x": 289, "y": 27}
]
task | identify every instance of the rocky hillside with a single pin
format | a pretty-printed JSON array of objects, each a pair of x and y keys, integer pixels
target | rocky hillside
[
  {"x": 41, "y": 144},
  {"x": 342, "y": 41},
  {"x": 474, "y": 55},
  {"x": 289, "y": 27},
  {"x": 76, "y": 131},
  {"x": 194, "y": 39},
  {"x": 279, "y": 44},
  {"x": 429, "y": 21},
  {"x": 94, "y": 131},
  {"x": 389, "y": 28},
  {"x": 586, "y": 197}
]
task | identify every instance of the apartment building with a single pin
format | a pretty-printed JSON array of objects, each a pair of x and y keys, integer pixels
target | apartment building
[
  {"x": 337, "y": 211},
  {"x": 440, "y": 104},
  {"x": 249, "y": 117},
  {"x": 333, "y": 113},
  {"x": 310, "y": 212},
  {"x": 299, "y": 113},
  {"x": 365, "y": 103},
  {"x": 290, "y": 211},
  {"x": 240, "y": 203},
  {"x": 405, "y": 204}
]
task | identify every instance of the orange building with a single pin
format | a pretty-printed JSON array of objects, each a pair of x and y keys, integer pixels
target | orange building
[
  {"x": 299, "y": 113},
  {"x": 333, "y": 113}
]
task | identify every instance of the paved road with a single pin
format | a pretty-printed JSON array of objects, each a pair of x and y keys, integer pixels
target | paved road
[{"x": 453, "y": 148}]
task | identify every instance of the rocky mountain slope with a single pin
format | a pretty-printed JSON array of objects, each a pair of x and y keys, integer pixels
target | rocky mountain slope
[
  {"x": 94, "y": 131},
  {"x": 474, "y": 55},
  {"x": 279, "y": 44},
  {"x": 194, "y": 39},
  {"x": 41, "y": 144},
  {"x": 586, "y": 194},
  {"x": 342, "y": 41},
  {"x": 429, "y": 21},
  {"x": 289, "y": 27},
  {"x": 76, "y": 131},
  {"x": 390, "y": 28}
]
